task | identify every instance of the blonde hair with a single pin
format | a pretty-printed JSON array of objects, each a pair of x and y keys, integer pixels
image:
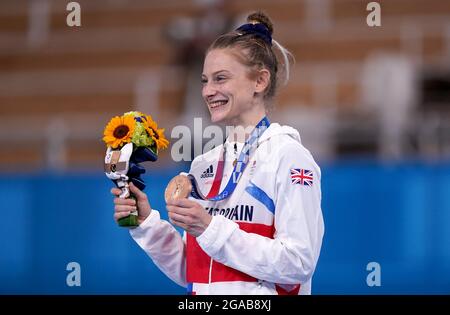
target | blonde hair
[{"x": 258, "y": 50}]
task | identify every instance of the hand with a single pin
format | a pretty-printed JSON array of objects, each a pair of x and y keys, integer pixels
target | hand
[
  {"x": 189, "y": 215},
  {"x": 123, "y": 207}
]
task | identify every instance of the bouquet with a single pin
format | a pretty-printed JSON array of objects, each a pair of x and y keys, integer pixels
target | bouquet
[{"x": 131, "y": 139}]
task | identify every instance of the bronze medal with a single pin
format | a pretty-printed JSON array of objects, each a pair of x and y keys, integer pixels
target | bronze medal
[{"x": 179, "y": 187}]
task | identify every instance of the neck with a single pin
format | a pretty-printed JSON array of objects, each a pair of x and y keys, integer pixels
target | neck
[{"x": 241, "y": 129}]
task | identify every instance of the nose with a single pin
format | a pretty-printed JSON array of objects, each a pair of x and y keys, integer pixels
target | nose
[{"x": 208, "y": 91}]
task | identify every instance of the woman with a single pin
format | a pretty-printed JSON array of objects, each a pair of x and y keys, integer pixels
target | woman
[{"x": 259, "y": 229}]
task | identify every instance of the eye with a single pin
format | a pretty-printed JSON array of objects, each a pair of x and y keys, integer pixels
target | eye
[
  {"x": 220, "y": 78},
  {"x": 204, "y": 81}
]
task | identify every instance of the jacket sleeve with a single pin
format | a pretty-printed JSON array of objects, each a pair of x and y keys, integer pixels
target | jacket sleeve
[
  {"x": 291, "y": 257},
  {"x": 165, "y": 246}
]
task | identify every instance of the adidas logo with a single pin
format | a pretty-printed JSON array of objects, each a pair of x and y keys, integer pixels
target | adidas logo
[{"x": 208, "y": 173}]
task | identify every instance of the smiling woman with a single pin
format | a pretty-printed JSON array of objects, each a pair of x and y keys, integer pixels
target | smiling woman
[
  {"x": 252, "y": 220},
  {"x": 232, "y": 96},
  {"x": 241, "y": 72}
]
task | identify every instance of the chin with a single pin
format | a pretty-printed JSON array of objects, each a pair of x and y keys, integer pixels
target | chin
[{"x": 219, "y": 116}]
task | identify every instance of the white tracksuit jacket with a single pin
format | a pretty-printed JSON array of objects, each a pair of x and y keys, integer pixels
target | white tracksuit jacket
[{"x": 264, "y": 239}]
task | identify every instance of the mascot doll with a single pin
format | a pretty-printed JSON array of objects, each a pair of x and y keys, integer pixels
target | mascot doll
[{"x": 131, "y": 139}]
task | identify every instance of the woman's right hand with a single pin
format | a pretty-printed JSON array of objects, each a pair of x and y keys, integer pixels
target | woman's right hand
[{"x": 123, "y": 207}]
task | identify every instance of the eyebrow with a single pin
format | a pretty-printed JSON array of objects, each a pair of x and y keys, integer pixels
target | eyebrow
[{"x": 217, "y": 72}]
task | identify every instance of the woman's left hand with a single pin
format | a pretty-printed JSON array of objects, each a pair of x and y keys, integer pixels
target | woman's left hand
[{"x": 189, "y": 215}]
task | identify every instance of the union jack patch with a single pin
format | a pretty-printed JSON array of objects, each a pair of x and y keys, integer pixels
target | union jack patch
[{"x": 301, "y": 176}]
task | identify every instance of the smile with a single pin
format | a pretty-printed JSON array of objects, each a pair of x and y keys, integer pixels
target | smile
[{"x": 217, "y": 104}]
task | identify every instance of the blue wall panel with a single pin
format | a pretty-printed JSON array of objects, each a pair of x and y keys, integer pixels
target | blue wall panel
[{"x": 395, "y": 215}]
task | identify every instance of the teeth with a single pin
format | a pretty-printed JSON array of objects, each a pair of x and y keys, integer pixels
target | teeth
[{"x": 217, "y": 103}]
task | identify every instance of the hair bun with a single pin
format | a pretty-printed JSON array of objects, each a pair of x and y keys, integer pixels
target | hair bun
[{"x": 260, "y": 17}]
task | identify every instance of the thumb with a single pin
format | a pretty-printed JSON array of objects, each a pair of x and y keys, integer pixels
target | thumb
[{"x": 137, "y": 192}]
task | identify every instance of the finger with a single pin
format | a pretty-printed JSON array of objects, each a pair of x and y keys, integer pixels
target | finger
[
  {"x": 116, "y": 191},
  {"x": 179, "y": 218},
  {"x": 172, "y": 201},
  {"x": 178, "y": 223},
  {"x": 183, "y": 202},
  {"x": 137, "y": 192},
  {"x": 179, "y": 210},
  {"x": 128, "y": 201},
  {"x": 121, "y": 208},
  {"x": 120, "y": 215}
]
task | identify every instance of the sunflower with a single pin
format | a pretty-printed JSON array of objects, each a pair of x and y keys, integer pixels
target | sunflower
[
  {"x": 156, "y": 134},
  {"x": 119, "y": 131}
]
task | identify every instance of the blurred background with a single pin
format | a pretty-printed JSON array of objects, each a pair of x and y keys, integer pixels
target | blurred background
[{"x": 371, "y": 103}]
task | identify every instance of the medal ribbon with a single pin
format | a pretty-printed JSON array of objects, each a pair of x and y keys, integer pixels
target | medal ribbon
[{"x": 239, "y": 168}]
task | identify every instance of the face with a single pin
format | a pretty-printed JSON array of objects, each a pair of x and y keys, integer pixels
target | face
[{"x": 228, "y": 90}]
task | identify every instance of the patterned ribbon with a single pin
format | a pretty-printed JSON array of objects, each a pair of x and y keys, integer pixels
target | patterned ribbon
[{"x": 239, "y": 168}]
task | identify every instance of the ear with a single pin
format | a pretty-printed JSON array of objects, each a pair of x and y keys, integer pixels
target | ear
[{"x": 262, "y": 80}]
